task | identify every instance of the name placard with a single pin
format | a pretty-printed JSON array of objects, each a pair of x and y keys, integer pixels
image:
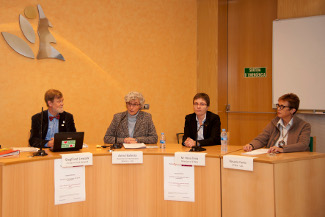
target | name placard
[
  {"x": 190, "y": 158},
  {"x": 238, "y": 162},
  {"x": 78, "y": 159},
  {"x": 127, "y": 157}
]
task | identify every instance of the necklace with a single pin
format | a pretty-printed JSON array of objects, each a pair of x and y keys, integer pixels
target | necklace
[{"x": 282, "y": 142}]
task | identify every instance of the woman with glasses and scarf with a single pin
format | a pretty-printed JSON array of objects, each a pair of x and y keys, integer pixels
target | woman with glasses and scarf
[
  {"x": 132, "y": 125},
  {"x": 286, "y": 132}
]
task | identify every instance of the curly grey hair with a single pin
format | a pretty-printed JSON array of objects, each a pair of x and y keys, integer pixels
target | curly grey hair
[{"x": 134, "y": 95}]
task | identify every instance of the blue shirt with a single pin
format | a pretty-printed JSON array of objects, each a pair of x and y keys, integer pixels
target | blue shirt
[
  {"x": 132, "y": 119},
  {"x": 52, "y": 129}
]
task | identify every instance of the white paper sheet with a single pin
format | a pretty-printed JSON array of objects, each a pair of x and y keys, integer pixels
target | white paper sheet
[
  {"x": 178, "y": 181},
  {"x": 77, "y": 159},
  {"x": 256, "y": 152},
  {"x": 69, "y": 184},
  {"x": 152, "y": 146},
  {"x": 190, "y": 158},
  {"x": 26, "y": 149},
  {"x": 238, "y": 162},
  {"x": 127, "y": 157},
  {"x": 134, "y": 145}
]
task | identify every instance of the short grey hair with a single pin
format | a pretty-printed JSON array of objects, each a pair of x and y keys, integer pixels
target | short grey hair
[{"x": 134, "y": 95}]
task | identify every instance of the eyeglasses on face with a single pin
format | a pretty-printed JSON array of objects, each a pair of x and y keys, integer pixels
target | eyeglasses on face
[
  {"x": 199, "y": 104},
  {"x": 130, "y": 104},
  {"x": 282, "y": 106}
]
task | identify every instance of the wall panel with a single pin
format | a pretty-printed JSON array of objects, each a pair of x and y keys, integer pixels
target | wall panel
[
  {"x": 300, "y": 8},
  {"x": 249, "y": 45},
  {"x": 111, "y": 48},
  {"x": 223, "y": 62},
  {"x": 207, "y": 50}
]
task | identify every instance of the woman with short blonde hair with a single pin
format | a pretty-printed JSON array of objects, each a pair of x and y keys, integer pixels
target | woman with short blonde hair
[
  {"x": 133, "y": 96},
  {"x": 132, "y": 125}
]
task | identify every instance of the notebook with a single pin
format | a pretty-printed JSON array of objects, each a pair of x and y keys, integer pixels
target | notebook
[{"x": 68, "y": 141}]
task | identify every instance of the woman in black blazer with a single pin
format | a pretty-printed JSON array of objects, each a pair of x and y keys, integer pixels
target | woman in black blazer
[{"x": 201, "y": 123}]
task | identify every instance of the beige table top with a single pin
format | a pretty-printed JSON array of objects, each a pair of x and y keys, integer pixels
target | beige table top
[
  {"x": 212, "y": 151},
  {"x": 281, "y": 157}
]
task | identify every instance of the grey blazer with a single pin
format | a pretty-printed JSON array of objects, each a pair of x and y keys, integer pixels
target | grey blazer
[{"x": 144, "y": 130}]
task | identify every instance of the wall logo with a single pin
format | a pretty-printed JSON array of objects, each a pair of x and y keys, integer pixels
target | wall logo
[{"x": 45, "y": 37}]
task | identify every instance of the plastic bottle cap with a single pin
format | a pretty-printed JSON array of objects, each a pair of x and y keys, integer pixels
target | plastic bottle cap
[{"x": 223, "y": 130}]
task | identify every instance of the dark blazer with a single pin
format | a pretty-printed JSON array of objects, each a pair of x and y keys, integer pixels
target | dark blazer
[
  {"x": 144, "y": 129},
  {"x": 66, "y": 124},
  {"x": 211, "y": 129}
]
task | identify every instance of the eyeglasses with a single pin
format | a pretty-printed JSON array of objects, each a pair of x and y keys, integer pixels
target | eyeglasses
[
  {"x": 282, "y": 106},
  {"x": 199, "y": 104},
  {"x": 130, "y": 104}
]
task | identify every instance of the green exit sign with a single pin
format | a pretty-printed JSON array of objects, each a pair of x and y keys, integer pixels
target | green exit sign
[{"x": 255, "y": 72}]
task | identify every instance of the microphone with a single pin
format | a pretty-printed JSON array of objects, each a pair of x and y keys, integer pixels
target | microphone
[
  {"x": 197, "y": 148},
  {"x": 41, "y": 152},
  {"x": 117, "y": 145}
]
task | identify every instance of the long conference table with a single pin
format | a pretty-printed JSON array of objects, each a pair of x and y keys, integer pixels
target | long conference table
[{"x": 291, "y": 184}]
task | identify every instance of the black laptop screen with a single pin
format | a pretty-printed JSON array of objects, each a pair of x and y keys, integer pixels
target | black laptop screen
[{"x": 68, "y": 141}]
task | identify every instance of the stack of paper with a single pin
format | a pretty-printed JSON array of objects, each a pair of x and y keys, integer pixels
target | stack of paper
[
  {"x": 256, "y": 152},
  {"x": 134, "y": 145},
  {"x": 4, "y": 152},
  {"x": 25, "y": 149}
]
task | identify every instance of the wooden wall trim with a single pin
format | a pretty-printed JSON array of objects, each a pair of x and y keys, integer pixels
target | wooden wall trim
[{"x": 300, "y": 8}]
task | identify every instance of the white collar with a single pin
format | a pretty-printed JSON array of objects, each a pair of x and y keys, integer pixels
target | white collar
[
  {"x": 280, "y": 122},
  {"x": 205, "y": 117}
]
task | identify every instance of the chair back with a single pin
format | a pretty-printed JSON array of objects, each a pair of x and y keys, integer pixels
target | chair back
[
  {"x": 312, "y": 144},
  {"x": 179, "y": 135}
]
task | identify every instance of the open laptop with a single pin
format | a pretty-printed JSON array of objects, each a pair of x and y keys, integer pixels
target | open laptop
[{"x": 68, "y": 141}]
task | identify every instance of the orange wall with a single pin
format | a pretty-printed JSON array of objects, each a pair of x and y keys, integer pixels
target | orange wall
[
  {"x": 207, "y": 50},
  {"x": 212, "y": 54},
  {"x": 111, "y": 48}
]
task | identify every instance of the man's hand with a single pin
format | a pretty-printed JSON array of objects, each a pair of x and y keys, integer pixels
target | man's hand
[{"x": 50, "y": 143}]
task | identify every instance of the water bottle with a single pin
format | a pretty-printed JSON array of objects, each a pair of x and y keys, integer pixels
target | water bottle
[
  {"x": 224, "y": 141},
  {"x": 162, "y": 141}
]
